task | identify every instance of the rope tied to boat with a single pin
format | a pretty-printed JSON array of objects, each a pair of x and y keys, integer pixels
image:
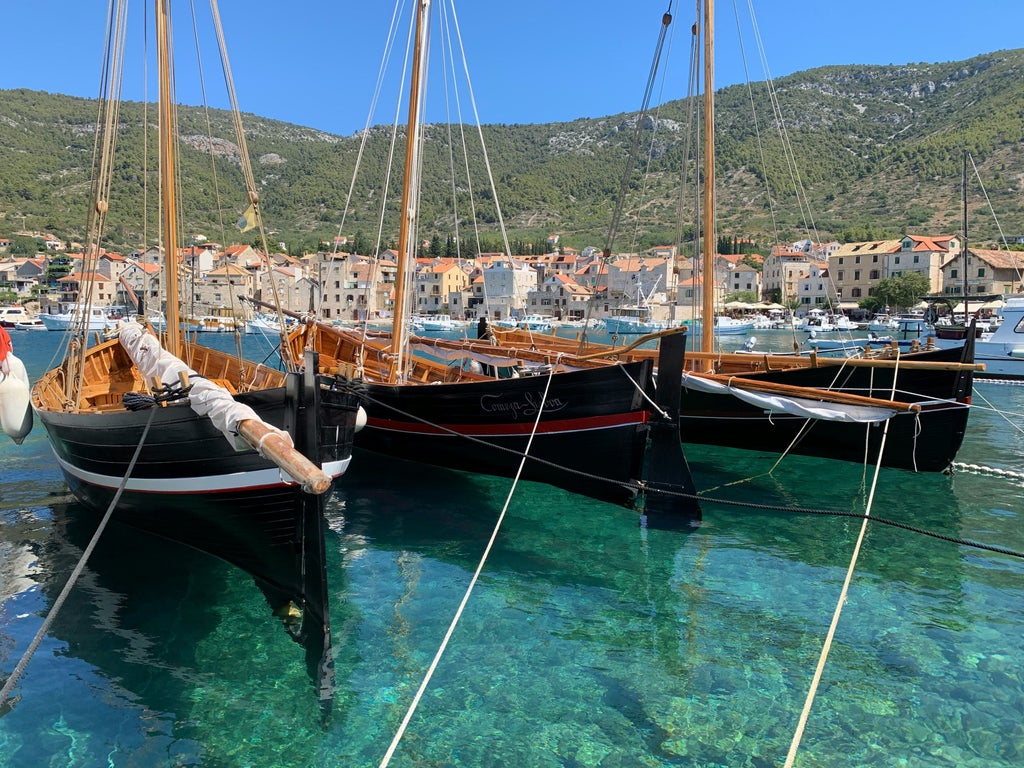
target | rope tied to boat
[
  {"x": 58, "y": 604},
  {"x": 167, "y": 393},
  {"x": 661, "y": 411},
  {"x": 469, "y": 588},
  {"x": 273, "y": 431},
  {"x": 841, "y": 600}
]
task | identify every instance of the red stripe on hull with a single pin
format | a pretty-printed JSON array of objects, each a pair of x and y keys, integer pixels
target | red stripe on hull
[{"x": 526, "y": 428}]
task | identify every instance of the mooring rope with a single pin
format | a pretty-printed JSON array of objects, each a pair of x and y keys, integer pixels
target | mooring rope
[
  {"x": 637, "y": 487},
  {"x": 469, "y": 588},
  {"x": 981, "y": 469},
  {"x": 827, "y": 646},
  {"x": 59, "y": 602},
  {"x": 1005, "y": 382}
]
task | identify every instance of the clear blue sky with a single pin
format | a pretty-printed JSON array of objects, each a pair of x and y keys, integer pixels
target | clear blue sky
[{"x": 315, "y": 62}]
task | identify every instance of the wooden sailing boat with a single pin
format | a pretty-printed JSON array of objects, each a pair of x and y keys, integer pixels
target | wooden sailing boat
[
  {"x": 937, "y": 383},
  {"x": 602, "y": 431},
  {"x": 192, "y": 444}
]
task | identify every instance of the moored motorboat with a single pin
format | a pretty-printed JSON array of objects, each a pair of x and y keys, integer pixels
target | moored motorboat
[
  {"x": 94, "y": 318},
  {"x": 35, "y": 324},
  {"x": 12, "y": 315},
  {"x": 1001, "y": 351}
]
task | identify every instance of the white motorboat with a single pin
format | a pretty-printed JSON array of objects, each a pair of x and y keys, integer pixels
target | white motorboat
[
  {"x": 1002, "y": 350},
  {"x": 11, "y": 316},
  {"x": 95, "y": 318}
]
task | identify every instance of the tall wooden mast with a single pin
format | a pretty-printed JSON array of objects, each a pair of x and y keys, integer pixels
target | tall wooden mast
[
  {"x": 169, "y": 213},
  {"x": 709, "y": 240},
  {"x": 410, "y": 194}
]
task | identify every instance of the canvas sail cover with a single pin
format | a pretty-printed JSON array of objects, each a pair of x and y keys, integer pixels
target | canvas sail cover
[
  {"x": 206, "y": 398},
  {"x": 807, "y": 408}
]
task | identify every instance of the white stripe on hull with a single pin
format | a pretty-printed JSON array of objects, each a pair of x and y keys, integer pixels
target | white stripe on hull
[{"x": 236, "y": 481}]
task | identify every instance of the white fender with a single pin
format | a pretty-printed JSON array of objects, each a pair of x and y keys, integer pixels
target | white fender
[{"x": 15, "y": 409}]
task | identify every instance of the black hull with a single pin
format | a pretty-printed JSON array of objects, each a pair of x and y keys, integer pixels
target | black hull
[
  {"x": 191, "y": 486},
  {"x": 592, "y": 437},
  {"x": 924, "y": 442},
  {"x": 594, "y": 422}
]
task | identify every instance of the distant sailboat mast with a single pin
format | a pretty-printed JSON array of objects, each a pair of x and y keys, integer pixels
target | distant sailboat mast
[{"x": 963, "y": 245}]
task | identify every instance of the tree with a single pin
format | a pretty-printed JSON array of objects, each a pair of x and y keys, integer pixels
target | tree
[
  {"x": 871, "y": 304},
  {"x": 748, "y": 296},
  {"x": 902, "y": 290},
  {"x": 24, "y": 245}
]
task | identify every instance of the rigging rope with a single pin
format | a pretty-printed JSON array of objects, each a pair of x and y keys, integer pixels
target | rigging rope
[
  {"x": 469, "y": 588},
  {"x": 59, "y": 602}
]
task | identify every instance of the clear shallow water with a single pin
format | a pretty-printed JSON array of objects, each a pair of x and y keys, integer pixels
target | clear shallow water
[{"x": 588, "y": 641}]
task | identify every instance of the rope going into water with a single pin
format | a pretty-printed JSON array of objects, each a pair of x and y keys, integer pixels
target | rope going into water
[
  {"x": 637, "y": 487},
  {"x": 469, "y": 588},
  {"x": 827, "y": 646},
  {"x": 59, "y": 602}
]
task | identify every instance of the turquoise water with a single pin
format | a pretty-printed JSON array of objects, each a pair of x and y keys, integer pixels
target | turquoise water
[{"x": 588, "y": 641}]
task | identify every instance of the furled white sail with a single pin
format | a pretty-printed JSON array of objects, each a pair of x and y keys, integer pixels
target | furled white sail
[
  {"x": 205, "y": 397},
  {"x": 811, "y": 409}
]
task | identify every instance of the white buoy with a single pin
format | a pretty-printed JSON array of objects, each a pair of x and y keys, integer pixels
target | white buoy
[{"x": 15, "y": 408}]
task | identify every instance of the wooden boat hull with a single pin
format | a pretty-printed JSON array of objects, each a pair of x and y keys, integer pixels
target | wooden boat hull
[
  {"x": 190, "y": 485},
  {"x": 485, "y": 427},
  {"x": 924, "y": 442}
]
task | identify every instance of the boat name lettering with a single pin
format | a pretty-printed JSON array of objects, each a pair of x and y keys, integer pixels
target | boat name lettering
[{"x": 526, "y": 405}]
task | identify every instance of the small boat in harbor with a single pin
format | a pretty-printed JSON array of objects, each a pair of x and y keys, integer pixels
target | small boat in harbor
[
  {"x": 11, "y": 316},
  {"x": 634, "y": 319},
  {"x": 92, "y": 317},
  {"x": 533, "y": 322},
  {"x": 435, "y": 323},
  {"x": 35, "y": 324},
  {"x": 1002, "y": 350}
]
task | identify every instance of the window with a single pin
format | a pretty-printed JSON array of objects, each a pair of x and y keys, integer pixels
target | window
[
  {"x": 874, "y": 274},
  {"x": 952, "y": 273},
  {"x": 857, "y": 260},
  {"x": 874, "y": 259},
  {"x": 981, "y": 271},
  {"x": 917, "y": 258},
  {"x": 855, "y": 293},
  {"x": 856, "y": 274},
  {"x": 897, "y": 259},
  {"x": 839, "y": 276}
]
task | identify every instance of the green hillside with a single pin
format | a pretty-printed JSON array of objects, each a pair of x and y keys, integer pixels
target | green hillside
[{"x": 877, "y": 151}]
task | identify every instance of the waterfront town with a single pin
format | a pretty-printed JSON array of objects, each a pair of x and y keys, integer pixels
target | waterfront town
[{"x": 564, "y": 284}]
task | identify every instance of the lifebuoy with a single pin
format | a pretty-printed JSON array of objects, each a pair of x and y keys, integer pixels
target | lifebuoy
[
  {"x": 15, "y": 406},
  {"x": 5, "y": 349}
]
